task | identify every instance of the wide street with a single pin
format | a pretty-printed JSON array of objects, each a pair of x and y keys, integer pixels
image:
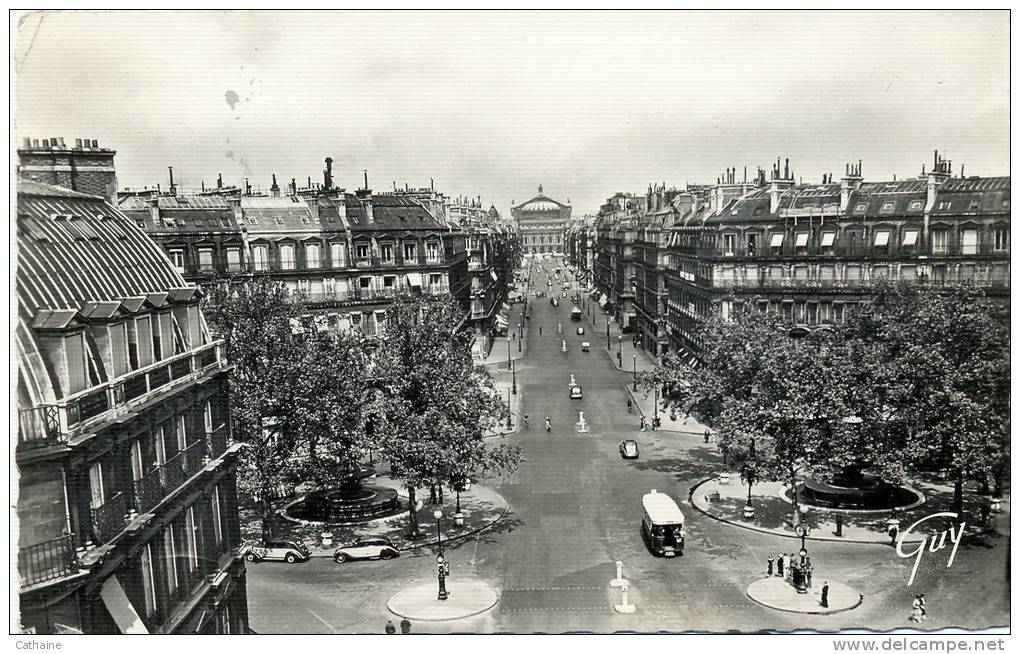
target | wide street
[{"x": 576, "y": 508}]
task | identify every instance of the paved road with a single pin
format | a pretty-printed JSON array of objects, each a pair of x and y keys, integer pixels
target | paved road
[{"x": 576, "y": 510}]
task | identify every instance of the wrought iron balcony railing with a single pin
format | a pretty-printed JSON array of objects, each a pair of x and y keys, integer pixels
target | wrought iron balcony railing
[
  {"x": 48, "y": 560},
  {"x": 108, "y": 520},
  {"x": 162, "y": 480}
]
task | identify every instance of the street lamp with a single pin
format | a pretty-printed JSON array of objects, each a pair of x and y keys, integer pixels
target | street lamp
[
  {"x": 513, "y": 376},
  {"x": 633, "y": 359},
  {"x": 508, "y": 351},
  {"x": 608, "y": 346},
  {"x": 442, "y": 567},
  {"x": 509, "y": 413}
]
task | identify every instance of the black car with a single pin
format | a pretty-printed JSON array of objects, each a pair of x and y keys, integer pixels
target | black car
[{"x": 629, "y": 449}]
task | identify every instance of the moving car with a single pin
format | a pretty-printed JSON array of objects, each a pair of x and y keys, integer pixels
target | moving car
[
  {"x": 629, "y": 449},
  {"x": 585, "y": 346},
  {"x": 580, "y": 331},
  {"x": 276, "y": 550},
  {"x": 662, "y": 525},
  {"x": 554, "y": 301},
  {"x": 369, "y": 547},
  {"x": 575, "y": 314},
  {"x": 575, "y": 393}
]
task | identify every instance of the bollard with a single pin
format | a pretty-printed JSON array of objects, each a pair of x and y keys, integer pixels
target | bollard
[
  {"x": 839, "y": 524},
  {"x": 625, "y": 606},
  {"x": 619, "y": 581},
  {"x": 724, "y": 478}
]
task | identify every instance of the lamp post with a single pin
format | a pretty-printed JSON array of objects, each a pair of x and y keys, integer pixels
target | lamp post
[
  {"x": 520, "y": 333},
  {"x": 508, "y": 351},
  {"x": 442, "y": 567},
  {"x": 513, "y": 377},
  {"x": 509, "y": 413},
  {"x": 608, "y": 346},
  {"x": 633, "y": 359}
]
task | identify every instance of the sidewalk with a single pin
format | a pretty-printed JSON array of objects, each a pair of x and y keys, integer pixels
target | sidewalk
[
  {"x": 497, "y": 357},
  {"x": 502, "y": 388},
  {"x": 644, "y": 402}
]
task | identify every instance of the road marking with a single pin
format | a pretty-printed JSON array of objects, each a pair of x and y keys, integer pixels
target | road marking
[
  {"x": 740, "y": 532},
  {"x": 316, "y": 616},
  {"x": 474, "y": 554},
  {"x": 511, "y": 590}
]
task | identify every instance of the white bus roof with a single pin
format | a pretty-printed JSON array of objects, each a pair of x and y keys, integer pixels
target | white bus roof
[{"x": 661, "y": 509}]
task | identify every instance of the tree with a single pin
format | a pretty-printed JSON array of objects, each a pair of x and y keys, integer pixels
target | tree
[{"x": 435, "y": 404}]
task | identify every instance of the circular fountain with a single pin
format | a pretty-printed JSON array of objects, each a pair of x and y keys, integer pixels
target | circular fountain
[
  {"x": 351, "y": 501},
  {"x": 851, "y": 489}
]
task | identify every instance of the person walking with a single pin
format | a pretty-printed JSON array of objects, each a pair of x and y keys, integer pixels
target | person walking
[
  {"x": 405, "y": 626},
  {"x": 825, "y": 595},
  {"x": 924, "y": 607},
  {"x": 548, "y": 424},
  {"x": 893, "y": 524},
  {"x": 540, "y": 330},
  {"x": 630, "y": 406},
  {"x": 772, "y": 561},
  {"x": 642, "y": 423},
  {"x": 780, "y": 562},
  {"x": 525, "y": 421},
  {"x": 390, "y": 628},
  {"x": 915, "y": 613}
]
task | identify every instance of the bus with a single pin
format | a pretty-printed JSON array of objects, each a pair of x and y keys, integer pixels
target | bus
[
  {"x": 663, "y": 524},
  {"x": 575, "y": 314}
]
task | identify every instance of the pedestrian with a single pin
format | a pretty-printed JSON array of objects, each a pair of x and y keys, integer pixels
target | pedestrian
[
  {"x": 825, "y": 595},
  {"x": 780, "y": 563},
  {"x": 657, "y": 422},
  {"x": 986, "y": 508},
  {"x": 772, "y": 562},
  {"x": 706, "y": 436},
  {"x": 432, "y": 494},
  {"x": 642, "y": 423},
  {"x": 924, "y": 607},
  {"x": 548, "y": 424},
  {"x": 540, "y": 330},
  {"x": 630, "y": 406},
  {"x": 894, "y": 527},
  {"x": 390, "y": 628},
  {"x": 405, "y": 626},
  {"x": 784, "y": 563},
  {"x": 915, "y": 613}
]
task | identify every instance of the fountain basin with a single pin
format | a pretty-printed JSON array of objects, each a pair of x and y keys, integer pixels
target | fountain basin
[{"x": 345, "y": 505}]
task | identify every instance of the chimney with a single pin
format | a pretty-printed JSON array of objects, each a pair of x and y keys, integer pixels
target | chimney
[
  {"x": 219, "y": 180},
  {"x": 293, "y": 186},
  {"x": 327, "y": 175},
  {"x": 89, "y": 171},
  {"x": 173, "y": 187},
  {"x": 369, "y": 215},
  {"x": 851, "y": 182},
  {"x": 247, "y": 187},
  {"x": 274, "y": 189},
  {"x": 366, "y": 178}
]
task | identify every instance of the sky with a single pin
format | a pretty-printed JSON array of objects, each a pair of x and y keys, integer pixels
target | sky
[{"x": 493, "y": 104}]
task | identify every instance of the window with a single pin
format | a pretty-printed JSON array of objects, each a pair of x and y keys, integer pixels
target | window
[
  {"x": 233, "y": 259},
  {"x": 969, "y": 241},
  {"x": 159, "y": 443},
  {"x": 132, "y": 334},
  {"x": 365, "y": 282},
  {"x": 881, "y": 238},
  {"x": 432, "y": 252},
  {"x": 361, "y": 251},
  {"x": 879, "y": 271},
  {"x": 776, "y": 243},
  {"x": 312, "y": 255},
  {"x": 148, "y": 580},
  {"x": 1001, "y": 238},
  {"x": 752, "y": 244},
  {"x": 389, "y": 281},
  {"x": 137, "y": 469},
  {"x": 191, "y": 539},
  {"x": 860, "y": 207},
  {"x": 157, "y": 335},
  {"x": 336, "y": 254},
  {"x": 943, "y": 205},
  {"x": 177, "y": 258},
  {"x": 205, "y": 259},
  {"x": 287, "y": 257},
  {"x": 315, "y": 286},
  {"x": 182, "y": 434},
  {"x": 974, "y": 205},
  {"x": 97, "y": 497},
  {"x": 435, "y": 279},
  {"x": 801, "y": 242},
  {"x": 828, "y": 238},
  {"x": 940, "y": 241},
  {"x": 260, "y": 257},
  {"x": 409, "y": 252},
  {"x": 729, "y": 240},
  {"x": 170, "y": 558},
  {"x": 887, "y": 207},
  {"x": 826, "y": 273},
  {"x": 386, "y": 252},
  {"x": 915, "y": 205},
  {"x": 853, "y": 273},
  {"x": 217, "y": 525},
  {"x": 279, "y": 220}
]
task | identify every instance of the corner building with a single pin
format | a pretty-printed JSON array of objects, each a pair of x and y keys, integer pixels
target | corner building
[{"x": 126, "y": 493}]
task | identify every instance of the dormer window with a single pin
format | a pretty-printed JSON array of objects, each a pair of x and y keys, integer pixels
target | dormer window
[
  {"x": 915, "y": 205},
  {"x": 279, "y": 220},
  {"x": 881, "y": 239},
  {"x": 887, "y": 207},
  {"x": 861, "y": 206},
  {"x": 361, "y": 251},
  {"x": 177, "y": 258},
  {"x": 943, "y": 205}
]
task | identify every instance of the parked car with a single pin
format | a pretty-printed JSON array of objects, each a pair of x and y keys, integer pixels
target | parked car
[
  {"x": 629, "y": 449},
  {"x": 585, "y": 346},
  {"x": 276, "y": 550},
  {"x": 575, "y": 392},
  {"x": 369, "y": 547},
  {"x": 580, "y": 331}
]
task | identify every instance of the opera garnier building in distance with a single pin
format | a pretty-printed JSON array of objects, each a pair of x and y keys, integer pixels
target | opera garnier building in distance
[{"x": 541, "y": 221}]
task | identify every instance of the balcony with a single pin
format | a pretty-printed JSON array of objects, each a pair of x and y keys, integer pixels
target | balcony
[
  {"x": 162, "y": 480},
  {"x": 108, "y": 520},
  {"x": 52, "y": 423},
  {"x": 216, "y": 441},
  {"x": 48, "y": 560}
]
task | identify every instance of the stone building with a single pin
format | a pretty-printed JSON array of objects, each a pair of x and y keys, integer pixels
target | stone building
[
  {"x": 541, "y": 222},
  {"x": 126, "y": 495},
  {"x": 812, "y": 251}
]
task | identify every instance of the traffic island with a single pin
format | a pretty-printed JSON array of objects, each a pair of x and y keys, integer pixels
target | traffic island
[
  {"x": 777, "y": 593},
  {"x": 466, "y": 598}
]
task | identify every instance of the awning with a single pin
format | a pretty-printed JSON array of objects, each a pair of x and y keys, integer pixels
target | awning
[
  {"x": 414, "y": 279},
  {"x": 828, "y": 238},
  {"x": 801, "y": 240},
  {"x": 119, "y": 606},
  {"x": 777, "y": 240},
  {"x": 602, "y": 301},
  {"x": 910, "y": 237},
  {"x": 881, "y": 238}
]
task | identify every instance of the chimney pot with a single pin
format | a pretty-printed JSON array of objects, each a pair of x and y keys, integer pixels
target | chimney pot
[
  {"x": 28, "y": 142},
  {"x": 46, "y": 143}
]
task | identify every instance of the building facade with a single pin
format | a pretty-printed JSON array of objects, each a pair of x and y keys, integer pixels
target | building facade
[
  {"x": 812, "y": 251},
  {"x": 541, "y": 222},
  {"x": 127, "y": 501}
]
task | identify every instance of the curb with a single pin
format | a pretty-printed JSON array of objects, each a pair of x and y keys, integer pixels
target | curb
[
  {"x": 453, "y": 539},
  {"x": 762, "y": 530},
  {"x": 860, "y": 600},
  {"x": 633, "y": 397}
]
